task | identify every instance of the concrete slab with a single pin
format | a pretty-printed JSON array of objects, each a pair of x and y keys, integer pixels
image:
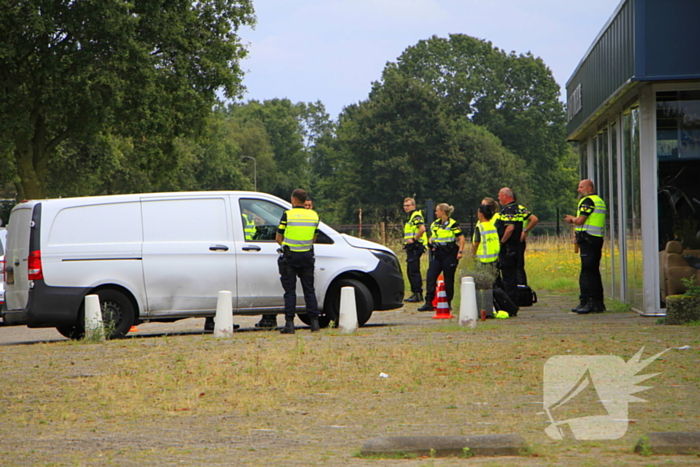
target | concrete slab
[
  {"x": 447, "y": 446},
  {"x": 677, "y": 442}
]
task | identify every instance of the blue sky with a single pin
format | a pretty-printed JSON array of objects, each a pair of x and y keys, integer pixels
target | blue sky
[{"x": 332, "y": 50}]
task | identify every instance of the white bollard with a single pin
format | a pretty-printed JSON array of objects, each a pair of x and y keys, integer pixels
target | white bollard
[
  {"x": 347, "y": 319},
  {"x": 94, "y": 329},
  {"x": 468, "y": 314},
  {"x": 223, "y": 321}
]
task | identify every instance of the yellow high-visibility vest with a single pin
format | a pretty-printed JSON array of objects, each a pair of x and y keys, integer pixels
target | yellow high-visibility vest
[
  {"x": 595, "y": 222},
  {"x": 300, "y": 229},
  {"x": 442, "y": 235},
  {"x": 248, "y": 227},
  {"x": 489, "y": 245},
  {"x": 410, "y": 229}
]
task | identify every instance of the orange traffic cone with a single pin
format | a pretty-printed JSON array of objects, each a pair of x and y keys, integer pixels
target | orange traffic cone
[
  {"x": 440, "y": 281},
  {"x": 134, "y": 329},
  {"x": 442, "y": 310}
]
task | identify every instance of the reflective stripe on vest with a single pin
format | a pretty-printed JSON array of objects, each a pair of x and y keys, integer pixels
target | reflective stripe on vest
[
  {"x": 409, "y": 229},
  {"x": 300, "y": 229},
  {"x": 595, "y": 222},
  {"x": 490, "y": 244},
  {"x": 442, "y": 234}
]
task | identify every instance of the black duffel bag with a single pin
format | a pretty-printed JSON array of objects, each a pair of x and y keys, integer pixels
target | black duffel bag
[{"x": 526, "y": 296}]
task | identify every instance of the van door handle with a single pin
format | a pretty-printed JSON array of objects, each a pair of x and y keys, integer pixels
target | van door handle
[
  {"x": 251, "y": 248},
  {"x": 218, "y": 247}
]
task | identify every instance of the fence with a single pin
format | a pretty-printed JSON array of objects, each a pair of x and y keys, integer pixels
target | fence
[{"x": 384, "y": 233}]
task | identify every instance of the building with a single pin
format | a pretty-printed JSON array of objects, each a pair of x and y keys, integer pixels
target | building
[{"x": 634, "y": 109}]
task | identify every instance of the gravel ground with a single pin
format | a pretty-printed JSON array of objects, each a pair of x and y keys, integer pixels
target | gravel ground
[{"x": 288, "y": 436}]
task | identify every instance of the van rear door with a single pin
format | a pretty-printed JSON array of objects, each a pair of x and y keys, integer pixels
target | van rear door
[
  {"x": 188, "y": 254},
  {"x": 16, "y": 256}
]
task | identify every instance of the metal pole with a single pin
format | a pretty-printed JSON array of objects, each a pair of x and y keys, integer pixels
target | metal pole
[
  {"x": 359, "y": 230},
  {"x": 430, "y": 216},
  {"x": 255, "y": 171}
]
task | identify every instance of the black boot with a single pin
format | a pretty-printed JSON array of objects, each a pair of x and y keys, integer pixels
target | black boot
[
  {"x": 267, "y": 322},
  {"x": 427, "y": 307},
  {"x": 415, "y": 298},
  {"x": 593, "y": 306},
  {"x": 582, "y": 303},
  {"x": 288, "y": 326},
  {"x": 313, "y": 322}
]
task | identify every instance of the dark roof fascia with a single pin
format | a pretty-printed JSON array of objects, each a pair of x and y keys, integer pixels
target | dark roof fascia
[
  {"x": 668, "y": 78},
  {"x": 597, "y": 38},
  {"x": 619, "y": 93}
]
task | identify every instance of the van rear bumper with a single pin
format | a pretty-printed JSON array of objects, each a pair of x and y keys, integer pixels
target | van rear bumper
[{"x": 48, "y": 307}]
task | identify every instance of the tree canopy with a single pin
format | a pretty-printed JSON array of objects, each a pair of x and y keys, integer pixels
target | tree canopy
[
  {"x": 405, "y": 141},
  {"x": 514, "y": 96},
  {"x": 145, "y": 70}
]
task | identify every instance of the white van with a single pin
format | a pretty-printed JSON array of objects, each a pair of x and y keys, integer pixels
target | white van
[{"x": 165, "y": 256}]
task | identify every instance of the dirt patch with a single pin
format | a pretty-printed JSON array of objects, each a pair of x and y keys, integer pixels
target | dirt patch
[{"x": 171, "y": 395}]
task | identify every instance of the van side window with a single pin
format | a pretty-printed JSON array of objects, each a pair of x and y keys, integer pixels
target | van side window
[{"x": 260, "y": 219}]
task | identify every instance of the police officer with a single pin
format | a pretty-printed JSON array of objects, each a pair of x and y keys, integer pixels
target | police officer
[
  {"x": 248, "y": 226},
  {"x": 414, "y": 241},
  {"x": 590, "y": 227},
  {"x": 485, "y": 242},
  {"x": 510, "y": 228},
  {"x": 296, "y": 233},
  {"x": 447, "y": 242}
]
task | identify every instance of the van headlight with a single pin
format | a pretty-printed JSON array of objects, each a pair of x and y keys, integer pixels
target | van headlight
[{"x": 387, "y": 258}]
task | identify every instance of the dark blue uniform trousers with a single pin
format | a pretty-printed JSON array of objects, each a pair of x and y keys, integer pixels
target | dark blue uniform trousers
[{"x": 299, "y": 265}]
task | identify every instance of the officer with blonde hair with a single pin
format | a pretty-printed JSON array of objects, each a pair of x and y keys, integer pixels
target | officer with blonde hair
[{"x": 447, "y": 243}]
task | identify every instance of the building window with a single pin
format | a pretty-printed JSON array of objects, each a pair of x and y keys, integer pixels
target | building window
[{"x": 678, "y": 157}]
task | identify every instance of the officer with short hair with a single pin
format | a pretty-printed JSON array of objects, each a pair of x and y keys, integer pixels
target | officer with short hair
[
  {"x": 414, "y": 242},
  {"x": 510, "y": 227},
  {"x": 590, "y": 228},
  {"x": 296, "y": 234}
]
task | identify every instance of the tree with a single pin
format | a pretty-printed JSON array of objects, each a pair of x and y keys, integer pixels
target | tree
[
  {"x": 404, "y": 141},
  {"x": 284, "y": 123},
  {"x": 146, "y": 70},
  {"x": 513, "y": 96}
]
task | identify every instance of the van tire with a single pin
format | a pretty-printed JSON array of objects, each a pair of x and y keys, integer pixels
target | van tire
[
  {"x": 117, "y": 312},
  {"x": 363, "y": 301}
]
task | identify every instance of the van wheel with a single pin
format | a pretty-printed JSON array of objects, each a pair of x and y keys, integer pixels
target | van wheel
[
  {"x": 117, "y": 312},
  {"x": 363, "y": 301}
]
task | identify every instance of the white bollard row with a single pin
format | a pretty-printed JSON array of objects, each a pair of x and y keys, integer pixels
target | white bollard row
[
  {"x": 347, "y": 320},
  {"x": 94, "y": 328},
  {"x": 223, "y": 321},
  {"x": 468, "y": 313}
]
